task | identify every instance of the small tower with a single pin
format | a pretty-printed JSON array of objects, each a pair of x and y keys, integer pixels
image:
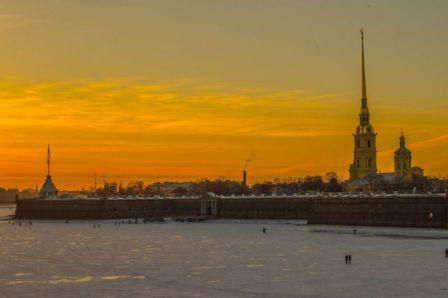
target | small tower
[
  {"x": 402, "y": 158},
  {"x": 364, "y": 153},
  {"x": 48, "y": 190}
]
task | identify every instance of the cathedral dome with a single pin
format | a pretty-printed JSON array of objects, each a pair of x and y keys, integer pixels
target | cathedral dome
[{"x": 402, "y": 151}]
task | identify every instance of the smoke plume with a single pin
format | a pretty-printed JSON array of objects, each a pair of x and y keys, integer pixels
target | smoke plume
[{"x": 248, "y": 161}]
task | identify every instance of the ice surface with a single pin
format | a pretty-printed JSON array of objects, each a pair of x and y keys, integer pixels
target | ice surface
[{"x": 219, "y": 259}]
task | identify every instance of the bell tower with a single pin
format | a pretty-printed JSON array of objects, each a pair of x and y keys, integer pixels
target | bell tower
[
  {"x": 402, "y": 158},
  {"x": 364, "y": 154}
]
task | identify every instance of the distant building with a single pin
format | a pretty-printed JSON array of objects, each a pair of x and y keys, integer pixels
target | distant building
[
  {"x": 8, "y": 195},
  {"x": 364, "y": 154},
  {"x": 402, "y": 159},
  {"x": 403, "y": 162},
  {"x": 364, "y": 175},
  {"x": 48, "y": 189},
  {"x": 170, "y": 189},
  {"x": 417, "y": 171}
]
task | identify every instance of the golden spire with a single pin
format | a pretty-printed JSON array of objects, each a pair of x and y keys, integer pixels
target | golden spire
[{"x": 364, "y": 92}]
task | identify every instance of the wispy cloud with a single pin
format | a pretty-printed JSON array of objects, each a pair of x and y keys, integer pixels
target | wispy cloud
[
  {"x": 11, "y": 21},
  {"x": 183, "y": 127},
  {"x": 441, "y": 139},
  {"x": 125, "y": 106}
]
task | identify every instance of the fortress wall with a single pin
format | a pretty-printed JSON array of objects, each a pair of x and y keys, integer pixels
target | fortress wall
[
  {"x": 355, "y": 211},
  {"x": 106, "y": 209},
  {"x": 264, "y": 208},
  {"x": 392, "y": 212}
]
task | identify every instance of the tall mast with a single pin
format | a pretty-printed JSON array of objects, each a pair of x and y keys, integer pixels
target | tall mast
[{"x": 48, "y": 160}]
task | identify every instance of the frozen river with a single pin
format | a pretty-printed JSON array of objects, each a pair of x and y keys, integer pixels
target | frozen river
[{"x": 219, "y": 259}]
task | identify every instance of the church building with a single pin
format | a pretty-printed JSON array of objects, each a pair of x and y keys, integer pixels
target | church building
[
  {"x": 48, "y": 189},
  {"x": 364, "y": 174},
  {"x": 364, "y": 157},
  {"x": 402, "y": 159}
]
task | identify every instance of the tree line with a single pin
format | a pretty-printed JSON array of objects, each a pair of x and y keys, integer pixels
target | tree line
[{"x": 328, "y": 183}]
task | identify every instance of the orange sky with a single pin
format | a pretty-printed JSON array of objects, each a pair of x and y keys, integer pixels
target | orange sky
[{"x": 184, "y": 90}]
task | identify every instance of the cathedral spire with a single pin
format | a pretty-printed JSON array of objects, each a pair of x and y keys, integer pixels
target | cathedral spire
[
  {"x": 363, "y": 70},
  {"x": 364, "y": 158}
]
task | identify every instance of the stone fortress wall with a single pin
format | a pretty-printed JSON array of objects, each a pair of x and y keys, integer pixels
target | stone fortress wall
[{"x": 400, "y": 211}]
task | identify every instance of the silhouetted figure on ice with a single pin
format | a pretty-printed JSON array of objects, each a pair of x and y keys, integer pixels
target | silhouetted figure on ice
[
  {"x": 346, "y": 259},
  {"x": 264, "y": 230},
  {"x": 446, "y": 253},
  {"x": 349, "y": 259},
  {"x": 354, "y": 231}
]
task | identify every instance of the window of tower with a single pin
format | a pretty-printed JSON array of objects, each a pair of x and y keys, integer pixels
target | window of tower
[
  {"x": 369, "y": 144},
  {"x": 404, "y": 166},
  {"x": 357, "y": 162},
  {"x": 398, "y": 165},
  {"x": 359, "y": 144},
  {"x": 370, "y": 162}
]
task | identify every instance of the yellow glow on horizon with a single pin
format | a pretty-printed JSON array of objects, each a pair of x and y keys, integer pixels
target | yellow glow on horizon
[{"x": 125, "y": 130}]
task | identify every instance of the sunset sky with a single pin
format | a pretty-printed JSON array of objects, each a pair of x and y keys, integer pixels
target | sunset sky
[{"x": 175, "y": 90}]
